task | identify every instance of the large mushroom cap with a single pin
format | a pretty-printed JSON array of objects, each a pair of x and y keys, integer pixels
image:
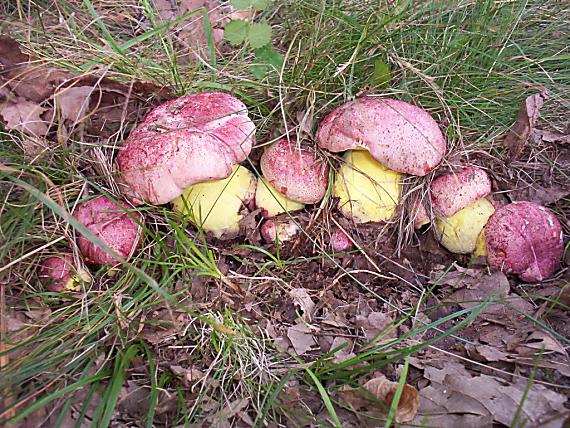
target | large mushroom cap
[
  {"x": 112, "y": 225},
  {"x": 525, "y": 239},
  {"x": 400, "y": 136},
  {"x": 452, "y": 192},
  {"x": 185, "y": 141},
  {"x": 296, "y": 172}
]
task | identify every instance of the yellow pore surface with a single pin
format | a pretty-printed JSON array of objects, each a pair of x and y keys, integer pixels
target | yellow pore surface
[
  {"x": 367, "y": 190},
  {"x": 460, "y": 232},
  {"x": 215, "y": 205},
  {"x": 272, "y": 201}
]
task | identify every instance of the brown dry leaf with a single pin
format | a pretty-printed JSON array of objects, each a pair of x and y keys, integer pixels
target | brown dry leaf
[
  {"x": 458, "y": 278},
  {"x": 302, "y": 299},
  {"x": 548, "y": 182},
  {"x": 342, "y": 354},
  {"x": 377, "y": 394},
  {"x": 493, "y": 286},
  {"x": 221, "y": 418},
  {"x": 456, "y": 391},
  {"x": 190, "y": 32},
  {"x": 27, "y": 86},
  {"x": 301, "y": 338},
  {"x": 24, "y": 116},
  {"x": 528, "y": 115},
  {"x": 550, "y": 136},
  {"x": 73, "y": 102},
  {"x": 375, "y": 324}
]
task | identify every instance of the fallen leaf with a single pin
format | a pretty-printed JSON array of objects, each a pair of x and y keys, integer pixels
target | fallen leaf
[
  {"x": 24, "y": 116},
  {"x": 73, "y": 102},
  {"x": 301, "y": 338},
  {"x": 222, "y": 417},
  {"x": 375, "y": 324},
  {"x": 377, "y": 395},
  {"x": 454, "y": 390},
  {"x": 342, "y": 354},
  {"x": 516, "y": 139},
  {"x": 302, "y": 299},
  {"x": 550, "y": 136}
]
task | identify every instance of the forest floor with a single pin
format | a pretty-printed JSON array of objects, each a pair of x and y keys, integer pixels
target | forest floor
[{"x": 396, "y": 331}]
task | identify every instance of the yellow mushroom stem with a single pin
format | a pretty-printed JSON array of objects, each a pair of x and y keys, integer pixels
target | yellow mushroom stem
[
  {"x": 273, "y": 202},
  {"x": 216, "y": 205},
  {"x": 460, "y": 232},
  {"x": 480, "y": 246},
  {"x": 367, "y": 190}
]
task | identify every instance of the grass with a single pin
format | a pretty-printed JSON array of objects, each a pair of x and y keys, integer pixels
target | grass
[{"x": 470, "y": 63}]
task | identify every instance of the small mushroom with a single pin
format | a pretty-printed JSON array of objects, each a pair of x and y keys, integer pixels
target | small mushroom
[
  {"x": 367, "y": 191},
  {"x": 339, "y": 241},
  {"x": 56, "y": 273},
  {"x": 217, "y": 205},
  {"x": 296, "y": 172},
  {"x": 282, "y": 229},
  {"x": 398, "y": 135},
  {"x": 453, "y": 192},
  {"x": 419, "y": 214},
  {"x": 525, "y": 239},
  {"x": 292, "y": 176},
  {"x": 462, "y": 211},
  {"x": 459, "y": 232},
  {"x": 113, "y": 225},
  {"x": 185, "y": 141}
]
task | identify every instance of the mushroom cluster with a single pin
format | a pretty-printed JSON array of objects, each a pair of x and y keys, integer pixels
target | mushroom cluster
[{"x": 188, "y": 151}]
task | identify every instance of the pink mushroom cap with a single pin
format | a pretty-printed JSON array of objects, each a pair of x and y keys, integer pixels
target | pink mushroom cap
[
  {"x": 296, "y": 172},
  {"x": 109, "y": 222},
  {"x": 452, "y": 192},
  {"x": 400, "y": 136},
  {"x": 340, "y": 241},
  {"x": 56, "y": 271},
  {"x": 525, "y": 239},
  {"x": 185, "y": 141}
]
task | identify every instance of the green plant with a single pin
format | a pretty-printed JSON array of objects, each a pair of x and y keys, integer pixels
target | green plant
[{"x": 256, "y": 35}]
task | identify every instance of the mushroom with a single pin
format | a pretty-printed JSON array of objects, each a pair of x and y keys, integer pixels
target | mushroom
[
  {"x": 340, "y": 241},
  {"x": 185, "y": 141},
  {"x": 367, "y": 190},
  {"x": 281, "y": 229},
  {"x": 111, "y": 224},
  {"x": 56, "y": 273},
  {"x": 292, "y": 177},
  {"x": 398, "y": 135},
  {"x": 525, "y": 239},
  {"x": 217, "y": 205},
  {"x": 419, "y": 215},
  {"x": 462, "y": 211},
  {"x": 272, "y": 202}
]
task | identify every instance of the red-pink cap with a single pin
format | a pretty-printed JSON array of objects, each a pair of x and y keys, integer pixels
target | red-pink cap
[
  {"x": 110, "y": 223},
  {"x": 524, "y": 238},
  {"x": 185, "y": 141},
  {"x": 297, "y": 172},
  {"x": 400, "y": 136},
  {"x": 452, "y": 192}
]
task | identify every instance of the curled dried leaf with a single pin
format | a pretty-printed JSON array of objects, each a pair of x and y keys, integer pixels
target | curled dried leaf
[{"x": 377, "y": 394}]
